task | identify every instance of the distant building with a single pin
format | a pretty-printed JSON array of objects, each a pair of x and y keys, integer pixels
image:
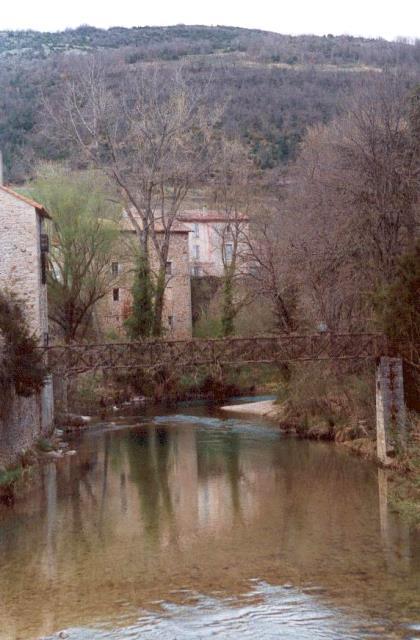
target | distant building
[
  {"x": 211, "y": 239},
  {"x": 115, "y": 308},
  {"x": 23, "y": 247}
]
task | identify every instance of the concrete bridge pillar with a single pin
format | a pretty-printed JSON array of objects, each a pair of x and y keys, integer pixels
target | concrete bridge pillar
[{"x": 390, "y": 408}]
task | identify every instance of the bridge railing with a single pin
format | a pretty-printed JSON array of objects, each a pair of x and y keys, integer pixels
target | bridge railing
[{"x": 156, "y": 353}]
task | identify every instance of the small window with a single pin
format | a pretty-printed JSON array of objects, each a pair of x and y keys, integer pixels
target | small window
[
  {"x": 44, "y": 268},
  {"x": 171, "y": 322},
  {"x": 196, "y": 230},
  {"x": 196, "y": 272},
  {"x": 115, "y": 268},
  {"x": 197, "y": 251},
  {"x": 168, "y": 269},
  {"x": 115, "y": 295},
  {"x": 228, "y": 251}
]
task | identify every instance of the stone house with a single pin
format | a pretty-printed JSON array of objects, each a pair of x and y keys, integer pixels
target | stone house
[
  {"x": 115, "y": 307},
  {"x": 23, "y": 247},
  {"x": 211, "y": 240}
]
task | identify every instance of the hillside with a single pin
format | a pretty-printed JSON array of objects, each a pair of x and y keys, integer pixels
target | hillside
[{"x": 275, "y": 85}]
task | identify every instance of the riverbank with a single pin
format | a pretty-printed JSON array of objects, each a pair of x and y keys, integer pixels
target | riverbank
[{"x": 20, "y": 478}]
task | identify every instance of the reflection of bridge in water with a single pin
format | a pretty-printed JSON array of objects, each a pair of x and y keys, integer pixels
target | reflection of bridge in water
[{"x": 153, "y": 354}]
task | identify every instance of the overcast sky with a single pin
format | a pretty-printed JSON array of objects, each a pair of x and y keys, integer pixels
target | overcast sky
[{"x": 386, "y": 18}]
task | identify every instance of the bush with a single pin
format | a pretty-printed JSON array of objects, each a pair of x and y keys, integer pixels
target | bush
[{"x": 22, "y": 367}]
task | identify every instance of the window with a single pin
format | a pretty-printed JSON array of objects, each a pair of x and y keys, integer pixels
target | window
[
  {"x": 196, "y": 230},
  {"x": 228, "y": 251},
  {"x": 168, "y": 268},
  {"x": 197, "y": 251},
  {"x": 45, "y": 247},
  {"x": 253, "y": 270},
  {"x": 44, "y": 268},
  {"x": 196, "y": 272},
  {"x": 115, "y": 295},
  {"x": 171, "y": 322},
  {"x": 115, "y": 268}
]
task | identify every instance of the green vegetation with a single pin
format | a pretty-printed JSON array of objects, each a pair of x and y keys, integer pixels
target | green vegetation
[
  {"x": 405, "y": 487},
  {"x": 83, "y": 235},
  {"x": 44, "y": 445},
  {"x": 140, "y": 321},
  {"x": 9, "y": 477},
  {"x": 398, "y": 303},
  {"x": 22, "y": 367}
]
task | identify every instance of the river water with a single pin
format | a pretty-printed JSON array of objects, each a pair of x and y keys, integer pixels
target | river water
[{"x": 195, "y": 525}]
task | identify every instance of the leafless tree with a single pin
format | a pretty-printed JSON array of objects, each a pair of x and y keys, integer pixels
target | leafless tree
[
  {"x": 269, "y": 258},
  {"x": 149, "y": 132},
  {"x": 233, "y": 195},
  {"x": 354, "y": 202}
]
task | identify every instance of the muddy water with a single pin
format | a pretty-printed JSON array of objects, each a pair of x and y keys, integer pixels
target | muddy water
[{"x": 195, "y": 526}]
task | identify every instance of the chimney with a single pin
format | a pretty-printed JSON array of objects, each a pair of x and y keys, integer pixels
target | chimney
[{"x": 1, "y": 168}]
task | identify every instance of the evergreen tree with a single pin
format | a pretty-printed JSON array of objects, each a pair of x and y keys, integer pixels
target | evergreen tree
[{"x": 139, "y": 323}]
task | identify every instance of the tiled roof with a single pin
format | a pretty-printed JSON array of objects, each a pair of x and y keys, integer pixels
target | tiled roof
[
  {"x": 39, "y": 207},
  {"x": 204, "y": 215}
]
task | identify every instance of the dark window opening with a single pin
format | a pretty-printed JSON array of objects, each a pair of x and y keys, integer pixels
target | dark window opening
[
  {"x": 171, "y": 322},
  {"x": 45, "y": 243},
  {"x": 168, "y": 268},
  {"x": 116, "y": 295},
  {"x": 115, "y": 267},
  {"x": 44, "y": 268}
]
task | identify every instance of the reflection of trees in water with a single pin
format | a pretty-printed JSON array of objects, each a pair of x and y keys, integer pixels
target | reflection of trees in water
[
  {"x": 79, "y": 476},
  {"x": 220, "y": 456},
  {"x": 233, "y": 470},
  {"x": 107, "y": 447},
  {"x": 147, "y": 453}
]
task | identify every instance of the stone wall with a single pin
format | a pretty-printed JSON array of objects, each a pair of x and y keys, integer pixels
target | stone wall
[
  {"x": 20, "y": 426},
  {"x": 390, "y": 407},
  {"x": 177, "y": 320},
  {"x": 23, "y": 420},
  {"x": 20, "y": 258}
]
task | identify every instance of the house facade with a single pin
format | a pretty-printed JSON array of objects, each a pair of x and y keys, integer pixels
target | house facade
[
  {"x": 23, "y": 247},
  {"x": 213, "y": 238},
  {"x": 115, "y": 308}
]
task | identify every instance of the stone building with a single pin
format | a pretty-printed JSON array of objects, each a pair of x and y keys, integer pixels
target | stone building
[
  {"x": 115, "y": 308},
  {"x": 23, "y": 244},
  {"x": 211, "y": 240}
]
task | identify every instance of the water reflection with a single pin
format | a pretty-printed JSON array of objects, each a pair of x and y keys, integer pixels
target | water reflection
[{"x": 190, "y": 504}]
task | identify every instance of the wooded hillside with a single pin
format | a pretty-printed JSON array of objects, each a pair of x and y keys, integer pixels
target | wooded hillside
[{"x": 273, "y": 86}]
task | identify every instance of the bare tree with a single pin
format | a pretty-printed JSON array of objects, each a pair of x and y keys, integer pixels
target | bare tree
[
  {"x": 233, "y": 195},
  {"x": 270, "y": 267},
  {"x": 149, "y": 132},
  {"x": 353, "y": 199}
]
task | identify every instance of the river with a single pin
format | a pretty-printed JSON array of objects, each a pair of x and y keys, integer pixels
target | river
[{"x": 197, "y": 525}]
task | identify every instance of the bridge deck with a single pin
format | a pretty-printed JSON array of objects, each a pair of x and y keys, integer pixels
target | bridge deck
[{"x": 153, "y": 354}]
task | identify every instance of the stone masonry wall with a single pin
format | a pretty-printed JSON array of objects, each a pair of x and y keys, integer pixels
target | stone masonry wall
[
  {"x": 177, "y": 309},
  {"x": 23, "y": 420},
  {"x": 20, "y": 258}
]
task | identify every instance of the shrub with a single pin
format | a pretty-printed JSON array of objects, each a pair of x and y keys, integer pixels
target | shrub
[{"x": 22, "y": 366}]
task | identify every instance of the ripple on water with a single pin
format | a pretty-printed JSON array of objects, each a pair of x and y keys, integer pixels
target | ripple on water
[{"x": 267, "y": 612}]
